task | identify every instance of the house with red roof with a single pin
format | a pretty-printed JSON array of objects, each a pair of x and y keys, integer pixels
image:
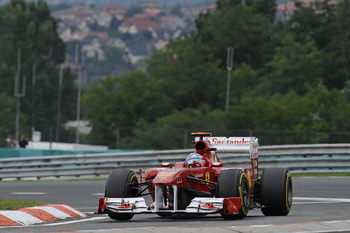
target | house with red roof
[
  {"x": 113, "y": 8},
  {"x": 138, "y": 23}
]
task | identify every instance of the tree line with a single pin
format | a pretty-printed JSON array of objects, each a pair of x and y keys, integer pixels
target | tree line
[{"x": 289, "y": 74}]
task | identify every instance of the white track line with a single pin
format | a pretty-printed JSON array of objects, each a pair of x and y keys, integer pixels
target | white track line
[
  {"x": 325, "y": 199},
  {"x": 28, "y": 193},
  {"x": 74, "y": 221}
]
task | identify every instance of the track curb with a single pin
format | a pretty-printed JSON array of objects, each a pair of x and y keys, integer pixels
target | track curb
[{"x": 37, "y": 214}]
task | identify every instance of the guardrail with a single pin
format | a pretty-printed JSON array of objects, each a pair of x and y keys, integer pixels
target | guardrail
[{"x": 318, "y": 158}]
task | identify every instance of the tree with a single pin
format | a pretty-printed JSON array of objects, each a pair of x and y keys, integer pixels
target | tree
[
  {"x": 7, "y": 106},
  {"x": 112, "y": 64},
  {"x": 169, "y": 131},
  {"x": 28, "y": 29},
  {"x": 326, "y": 26},
  {"x": 342, "y": 13},
  {"x": 123, "y": 101},
  {"x": 268, "y": 8},
  {"x": 244, "y": 79},
  {"x": 189, "y": 74},
  {"x": 312, "y": 22},
  {"x": 293, "y": 64},
  {"x": 237, "y": 25}
]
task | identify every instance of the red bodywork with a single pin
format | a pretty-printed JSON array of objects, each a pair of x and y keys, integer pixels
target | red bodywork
[
  {"x": 179, "y": 176},
  {"x": 198, "y": 181}
]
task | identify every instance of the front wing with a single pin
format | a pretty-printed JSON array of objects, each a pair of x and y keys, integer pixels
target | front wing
[{"x": 198, "y": 205}]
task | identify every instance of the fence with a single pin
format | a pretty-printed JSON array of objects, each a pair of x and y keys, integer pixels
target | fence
[
  {"x": 175, "y": 138},
  {"x": 318, "y": 158}
]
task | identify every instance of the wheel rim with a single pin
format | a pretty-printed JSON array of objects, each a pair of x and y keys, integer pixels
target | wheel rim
[
  {"x": 289, "y": 192},
  {"x": 245, "y": 192},
  {"x": 132, "y": 187}
]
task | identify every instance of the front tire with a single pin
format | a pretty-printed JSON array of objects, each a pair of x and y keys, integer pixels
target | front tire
[
  {"x": 234, "y": 183},
  {"x": 276, "y": 192},
  {"x": 121, "y": 183}
]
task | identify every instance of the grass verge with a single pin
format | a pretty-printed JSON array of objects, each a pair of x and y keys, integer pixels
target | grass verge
[{"x": 9, "y": 204}]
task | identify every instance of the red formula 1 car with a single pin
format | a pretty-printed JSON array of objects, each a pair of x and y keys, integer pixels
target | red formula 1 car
[{"x": 201, "y": 185}]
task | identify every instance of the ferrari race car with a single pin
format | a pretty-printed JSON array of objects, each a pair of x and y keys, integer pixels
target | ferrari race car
[{"x": 201, "y": 185}]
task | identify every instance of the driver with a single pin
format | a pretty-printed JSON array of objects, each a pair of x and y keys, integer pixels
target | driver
[{"x": 194, "y": 160}]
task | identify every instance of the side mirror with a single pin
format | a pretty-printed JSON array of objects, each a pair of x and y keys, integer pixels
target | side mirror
[
  {"x": 169, "y": 165},
  {"x": 217, "y": 164}
]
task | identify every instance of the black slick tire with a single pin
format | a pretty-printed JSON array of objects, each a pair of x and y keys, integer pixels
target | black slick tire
[
  {"x": 234, "y": 183},
  {"x": 121, "y": 183}
]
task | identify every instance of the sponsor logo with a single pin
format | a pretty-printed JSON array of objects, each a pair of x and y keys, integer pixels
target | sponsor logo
[
  {"x": 207, "y": 176},
  {"x": 217, "y": 141}
]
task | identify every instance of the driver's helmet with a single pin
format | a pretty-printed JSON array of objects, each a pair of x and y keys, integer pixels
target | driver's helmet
[{"x": 194, "y": 160}]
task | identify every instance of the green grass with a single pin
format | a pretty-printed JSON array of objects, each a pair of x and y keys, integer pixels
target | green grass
[{"x": 9, "y": 204}]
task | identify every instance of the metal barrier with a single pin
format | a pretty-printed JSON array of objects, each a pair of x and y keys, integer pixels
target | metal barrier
[{"x": 318, "y": 158}]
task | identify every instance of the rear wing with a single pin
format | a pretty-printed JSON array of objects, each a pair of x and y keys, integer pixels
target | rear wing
[
  {"x": 230, "y": 145},
  {"x": 233, "y": 144}
]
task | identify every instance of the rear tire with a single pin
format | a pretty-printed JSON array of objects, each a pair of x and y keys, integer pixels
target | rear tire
[
  {"x": 121, "y": 183},
  {"x": 234, "y": 183},
  {"x": 276, "y": 192}
]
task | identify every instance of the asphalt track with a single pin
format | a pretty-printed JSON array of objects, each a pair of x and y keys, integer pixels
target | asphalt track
[{"x": 320, "y": 205}]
